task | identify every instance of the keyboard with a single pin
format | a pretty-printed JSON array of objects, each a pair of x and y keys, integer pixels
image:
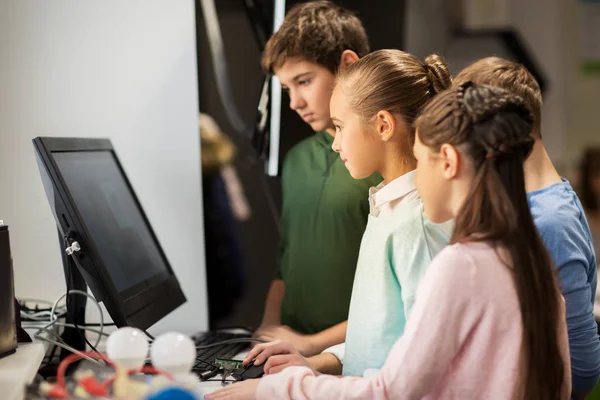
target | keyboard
[{"x": 205, "y": 358}]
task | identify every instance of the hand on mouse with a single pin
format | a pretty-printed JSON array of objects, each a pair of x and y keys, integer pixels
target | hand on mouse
[
  {"x": 302, "y": 343},
  {"x": 245, "y": 390},
  {"x": 278, "y": 356}
]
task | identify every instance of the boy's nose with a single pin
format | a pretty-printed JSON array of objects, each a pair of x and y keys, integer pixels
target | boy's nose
[{"x": 296, "y": 102}]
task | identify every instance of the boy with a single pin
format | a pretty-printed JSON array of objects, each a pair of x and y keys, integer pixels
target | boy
[
  {"x": 324, "y": 209},
  {"x": 560, "y": 220}
]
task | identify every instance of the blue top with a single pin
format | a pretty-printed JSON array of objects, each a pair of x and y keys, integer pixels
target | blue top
[{"x": 562, "y": 225}]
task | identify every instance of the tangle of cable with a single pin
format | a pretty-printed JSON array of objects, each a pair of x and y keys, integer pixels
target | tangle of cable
[{"x": 54, "y": 321}]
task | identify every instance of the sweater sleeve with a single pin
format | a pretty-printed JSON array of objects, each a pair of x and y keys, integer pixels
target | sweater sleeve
[
  {"x": 568, "y": 244},
  {"x": 339, "y": 350},
  {"x": 446, "y": 307}
]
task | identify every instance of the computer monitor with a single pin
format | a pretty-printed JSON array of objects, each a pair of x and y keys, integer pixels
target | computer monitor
[{"x": 94, "y": 204}]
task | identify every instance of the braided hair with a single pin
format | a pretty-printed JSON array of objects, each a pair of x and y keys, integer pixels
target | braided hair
[{"x": 491, "y": 128}]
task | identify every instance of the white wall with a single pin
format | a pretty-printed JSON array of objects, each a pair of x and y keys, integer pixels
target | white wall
[
  {"x": 544, "y": 39},
  {"x": 570, "y": 117},
  {"x": 540, "y": 24},
  {"x": 583, "y": 91},
  {"x": 123, "y": 70}
]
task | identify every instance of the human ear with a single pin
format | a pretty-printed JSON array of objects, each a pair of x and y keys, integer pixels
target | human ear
[
  {"x": 348, "y": 58},
  {"x": 450, "y": 161},
  {"x": 386, "y": 124}
]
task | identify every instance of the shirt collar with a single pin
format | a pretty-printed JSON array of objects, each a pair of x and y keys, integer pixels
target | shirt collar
[
  {"x": 396, "y": 189},
  {"x": 324, "y": 139}
]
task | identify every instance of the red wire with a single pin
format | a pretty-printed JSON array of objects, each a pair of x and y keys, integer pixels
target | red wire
[{"x": 62, "y": 368}]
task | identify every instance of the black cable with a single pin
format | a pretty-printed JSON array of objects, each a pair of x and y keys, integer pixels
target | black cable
[
  {"x": 51, "y": 356},
  {"x": 97, "y": 324},
  {"x": 24, "y": 308},
  {"x": 27, "y": 318},
  {"x": 240, "y": 340},
  {"x": 81, "y": 333},
  {"x": 149, "y": 335},
  {"x": 207, "y": 375},
  {"x": 69, "y": 266}
]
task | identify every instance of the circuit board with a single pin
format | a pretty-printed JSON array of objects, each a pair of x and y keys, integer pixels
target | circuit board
[{"x": 228, "y": 365}]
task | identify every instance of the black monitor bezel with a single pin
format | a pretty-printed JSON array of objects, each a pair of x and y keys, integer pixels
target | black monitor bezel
[{"x": 145, "y": 303}]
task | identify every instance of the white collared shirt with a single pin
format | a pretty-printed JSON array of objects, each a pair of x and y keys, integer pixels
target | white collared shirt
[{"x": 385, "y": 197}]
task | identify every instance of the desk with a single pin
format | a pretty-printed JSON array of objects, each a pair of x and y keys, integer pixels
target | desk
[
  {"x": 19, "y": 369},
  {"x": 205, "y": 388}
]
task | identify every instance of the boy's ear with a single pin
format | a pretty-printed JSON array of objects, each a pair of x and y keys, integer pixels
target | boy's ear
[{"x": 348, "y": 58}]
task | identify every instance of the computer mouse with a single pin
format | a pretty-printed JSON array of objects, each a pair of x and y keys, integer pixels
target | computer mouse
[{"x": 249, "y": 371}]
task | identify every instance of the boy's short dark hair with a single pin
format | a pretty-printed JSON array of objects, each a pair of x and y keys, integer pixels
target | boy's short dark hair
[
  {"x": 509, "y": 75},
  {"x": 317, "y": 31}
]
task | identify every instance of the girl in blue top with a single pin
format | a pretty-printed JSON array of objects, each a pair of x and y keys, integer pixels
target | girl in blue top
[{"x": 373, "y": 106}]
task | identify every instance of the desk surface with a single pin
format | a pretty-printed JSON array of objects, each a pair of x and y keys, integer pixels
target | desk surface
[
  {"x": 204, "y": 388},
  {"x": 19, "y": 369}
]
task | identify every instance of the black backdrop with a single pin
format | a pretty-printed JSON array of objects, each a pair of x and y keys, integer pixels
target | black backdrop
[{"x": 384, "y": 22}]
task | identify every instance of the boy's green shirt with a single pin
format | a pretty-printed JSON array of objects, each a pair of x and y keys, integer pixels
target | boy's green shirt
[{"x": 324, "y": 216}]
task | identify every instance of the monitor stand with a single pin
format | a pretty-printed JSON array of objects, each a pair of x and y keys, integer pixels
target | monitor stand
[{"x": 76, "y": 303}]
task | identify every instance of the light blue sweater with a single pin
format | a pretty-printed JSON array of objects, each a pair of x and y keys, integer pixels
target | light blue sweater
[
  {"x": 560, "y": 220},
  {"x": 394, "y": 254}
]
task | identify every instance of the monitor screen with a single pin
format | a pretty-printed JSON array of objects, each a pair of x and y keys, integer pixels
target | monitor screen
[
  {"x": 114, "y": 221},
  {"x": 93, "y": 202}
]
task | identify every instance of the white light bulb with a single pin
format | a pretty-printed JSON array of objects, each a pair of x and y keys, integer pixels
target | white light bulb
[
  {"x": 174, "y": 353},
  {"x": 127, "y": 347}
]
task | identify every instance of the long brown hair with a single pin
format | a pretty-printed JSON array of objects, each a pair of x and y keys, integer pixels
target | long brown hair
[
  {"x": 491, "y": 127},
  {"x": 394, "y": 81}
]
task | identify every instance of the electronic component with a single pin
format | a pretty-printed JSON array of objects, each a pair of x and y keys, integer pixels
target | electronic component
[{"x": 226, "y": 364}]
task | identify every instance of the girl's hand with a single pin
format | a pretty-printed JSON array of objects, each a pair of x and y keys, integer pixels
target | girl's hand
[
  {"x": 245, "y": 390},
  {"x": 278, "y": 355},
  {"x": 304, "y": 344},
  {"x": 261, "y": 352},
  {"x": 280, "y": 362}
]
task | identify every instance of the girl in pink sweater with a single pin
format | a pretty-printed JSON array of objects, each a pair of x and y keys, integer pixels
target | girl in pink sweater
[{"x": 488, "y": 322}]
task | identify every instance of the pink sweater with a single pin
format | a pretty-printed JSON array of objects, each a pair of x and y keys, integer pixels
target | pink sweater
[{"x": 463, "y": 340}]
